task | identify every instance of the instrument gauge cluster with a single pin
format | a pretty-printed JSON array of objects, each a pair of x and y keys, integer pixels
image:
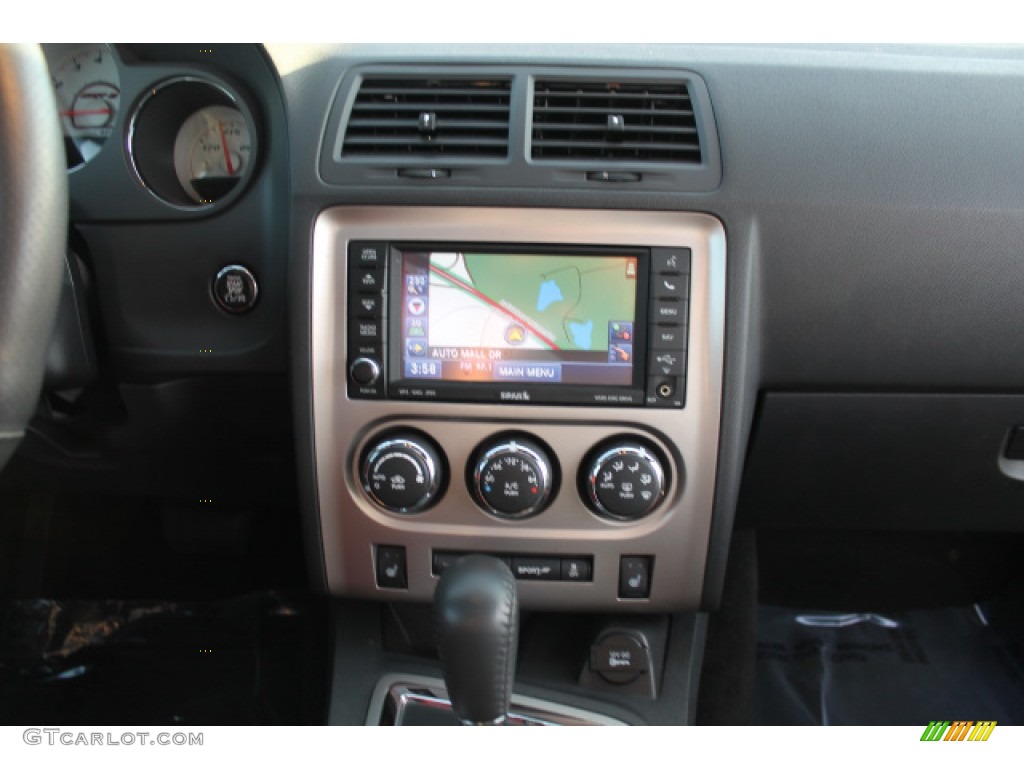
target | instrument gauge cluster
[
  {"x": 87, "y": 84},
  {"x": 212, "y": 152},
  {"x": 192, "y": 142},
  {"x": 189, "y": 137}
]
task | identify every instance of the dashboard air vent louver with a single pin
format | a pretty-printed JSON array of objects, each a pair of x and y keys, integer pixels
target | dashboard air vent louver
[
  {"x": 634, "y": 122},
  {"x": 429, "y": 117}
]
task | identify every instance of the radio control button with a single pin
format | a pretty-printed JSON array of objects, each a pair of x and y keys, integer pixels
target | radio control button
[
  {"x": 512, "y": 478},
  {"x": 366, "y": 329},
  {"x": 366, "y": 281},
  {"x": 624, "y": 481},
  {"x": 668, "y": 336},
  {"x": 402, "y": 473},
  {"x": 367, "y": 254},
  {"x": 365, "y": 305},
  {"x": 668, "y": 311},
  {"x": 675, "y": 287},
  {"x": 670, "y": 260}
]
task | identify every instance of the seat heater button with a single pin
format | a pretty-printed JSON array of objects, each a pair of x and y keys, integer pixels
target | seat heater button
[
  {"x": 391, "y": 571},
  {"x": 635, "y": 577}
]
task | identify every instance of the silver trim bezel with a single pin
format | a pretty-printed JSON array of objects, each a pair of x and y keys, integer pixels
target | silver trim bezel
[
  {"x": 676, "y": 534},
  {"x": 237, "y": 102}
]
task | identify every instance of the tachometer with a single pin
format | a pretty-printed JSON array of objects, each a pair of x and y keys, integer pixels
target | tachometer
[
  {"x": 212, "y": 152},
  {"x": 88, "y": 88}
]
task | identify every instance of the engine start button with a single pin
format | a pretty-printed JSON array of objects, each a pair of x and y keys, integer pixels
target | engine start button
[{"x": 235, "y": 289}]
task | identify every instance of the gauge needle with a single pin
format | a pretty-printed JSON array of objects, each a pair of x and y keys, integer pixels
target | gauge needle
[
  {"x": 76, "y": 112},
  {"x": 224, "y": 146}
]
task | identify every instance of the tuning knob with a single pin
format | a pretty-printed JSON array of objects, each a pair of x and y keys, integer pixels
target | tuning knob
[
  {"x": 402, "y": 472},
  {"x": 624, "y": 481},
  {"x": 512, "y": 478}
]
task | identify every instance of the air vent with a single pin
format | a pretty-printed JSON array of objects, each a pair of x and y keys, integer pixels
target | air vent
[
  {"x": 429, "y": 117},
  {"x": 619, "y": 122}
]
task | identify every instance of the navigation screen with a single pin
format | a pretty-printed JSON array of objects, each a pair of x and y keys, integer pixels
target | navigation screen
[{"x": 518, "y": 317}]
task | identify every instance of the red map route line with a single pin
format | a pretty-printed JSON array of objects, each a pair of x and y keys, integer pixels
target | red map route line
[{"x": 491, "y": 302}]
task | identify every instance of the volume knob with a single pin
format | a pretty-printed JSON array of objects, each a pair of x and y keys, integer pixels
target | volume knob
[{"x": 364, "y": 371}]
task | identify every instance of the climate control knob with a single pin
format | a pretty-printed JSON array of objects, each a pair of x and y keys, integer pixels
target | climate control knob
[
  {"x": 512, "y": 478},
  {"x": 624, "y": 481},
  {"x": 402, "y": 472}
]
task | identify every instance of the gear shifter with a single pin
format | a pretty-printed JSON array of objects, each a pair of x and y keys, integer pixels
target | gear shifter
[{"x": 476, "y": 621}]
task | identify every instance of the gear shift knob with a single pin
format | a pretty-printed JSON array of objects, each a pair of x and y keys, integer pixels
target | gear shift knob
[{"x": 476, "y": 621}]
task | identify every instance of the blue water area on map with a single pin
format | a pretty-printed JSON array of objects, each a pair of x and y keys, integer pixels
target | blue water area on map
[
  {"x": 582, "y": 333},
  {"x": 549, "y": 294}
]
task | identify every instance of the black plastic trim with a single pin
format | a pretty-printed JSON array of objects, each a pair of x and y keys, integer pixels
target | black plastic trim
[{"x": 518, "y": 170}]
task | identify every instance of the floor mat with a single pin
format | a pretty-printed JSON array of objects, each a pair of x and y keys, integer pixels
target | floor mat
[
  {"x": 900, "y": 668},
  {"x": 256, "y": 659}
]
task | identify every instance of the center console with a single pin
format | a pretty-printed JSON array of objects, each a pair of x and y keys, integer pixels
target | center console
[{"x": 540, "y": 385}]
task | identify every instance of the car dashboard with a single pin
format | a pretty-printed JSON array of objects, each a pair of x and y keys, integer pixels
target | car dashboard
[{"x": 608, "y": 314}]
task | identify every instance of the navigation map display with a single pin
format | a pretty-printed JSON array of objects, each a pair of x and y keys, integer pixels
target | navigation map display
[{"x": 554, "y": 318}]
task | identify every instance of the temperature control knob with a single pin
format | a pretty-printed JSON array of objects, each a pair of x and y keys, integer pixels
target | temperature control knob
[
  {"x": 624, "y": 481},
  {"x": 512, "y": 478},
  {"x": 402, "y": 473}
]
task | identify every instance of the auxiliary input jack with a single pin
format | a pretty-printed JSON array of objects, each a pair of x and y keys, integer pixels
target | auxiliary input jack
[{"x": 665, "y": 390}]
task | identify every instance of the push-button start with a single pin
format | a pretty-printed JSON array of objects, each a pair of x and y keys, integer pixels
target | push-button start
[{"x": 235, "y": 289}]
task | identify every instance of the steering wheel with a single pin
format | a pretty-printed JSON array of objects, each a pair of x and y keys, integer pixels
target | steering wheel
[{"x": 33, "y": 232}]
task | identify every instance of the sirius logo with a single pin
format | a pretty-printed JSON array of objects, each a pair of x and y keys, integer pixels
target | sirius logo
[{"x": 515, "y": 395}]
